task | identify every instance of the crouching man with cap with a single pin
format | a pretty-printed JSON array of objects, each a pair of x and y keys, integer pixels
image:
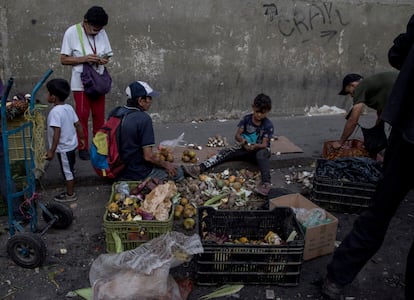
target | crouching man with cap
[
  {"x": 371, "y": 91},
  {"x": 138, "y": 140}
]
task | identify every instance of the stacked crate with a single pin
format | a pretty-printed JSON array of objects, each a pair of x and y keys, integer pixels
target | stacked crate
[{"x": 337, "y": 192}]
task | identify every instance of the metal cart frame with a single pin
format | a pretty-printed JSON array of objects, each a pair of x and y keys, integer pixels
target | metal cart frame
[{"x": 27, "y": 249}]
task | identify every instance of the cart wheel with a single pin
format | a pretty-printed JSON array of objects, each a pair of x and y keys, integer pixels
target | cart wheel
[
  {"x": 27, "y": 250},
  {"x": 63, "y": 213}
]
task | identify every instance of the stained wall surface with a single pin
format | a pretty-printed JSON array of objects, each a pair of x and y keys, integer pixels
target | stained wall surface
[{"x": 210, "y": 58}]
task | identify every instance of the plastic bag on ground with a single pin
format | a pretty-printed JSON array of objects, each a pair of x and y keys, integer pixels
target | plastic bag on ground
[
  {"x": 143, "y": 273},
  {"x": 178, "y": 142}
]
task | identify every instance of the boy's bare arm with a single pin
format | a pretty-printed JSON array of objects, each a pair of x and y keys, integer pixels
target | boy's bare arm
[
  {"x": 56, "y": 136},
  {"x": 263, "y": 144},
  {"x": 238, "y": 137}
]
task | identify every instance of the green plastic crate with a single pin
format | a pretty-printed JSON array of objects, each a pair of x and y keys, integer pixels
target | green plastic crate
[
  {"x": 20, "y": 141},
  {"x": 133, "y": 233}
]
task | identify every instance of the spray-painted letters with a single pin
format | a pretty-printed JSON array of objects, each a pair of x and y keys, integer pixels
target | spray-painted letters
[{"x": 320, "y": 17}]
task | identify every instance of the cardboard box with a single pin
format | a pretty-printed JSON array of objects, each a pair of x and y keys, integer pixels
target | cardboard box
[{"x": 319, "y": 240}]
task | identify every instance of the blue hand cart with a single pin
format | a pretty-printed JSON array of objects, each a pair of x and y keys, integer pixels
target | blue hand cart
[{"x": 25, "y": 245}]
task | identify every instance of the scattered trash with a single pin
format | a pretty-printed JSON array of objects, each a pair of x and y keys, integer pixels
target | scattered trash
[
  {"x": 217, "y": 141},
  {"x": 323, "y": 110},
  {"x": 270, "y": 294},
  {"x": 292, "y": 236},
  {"x": 85, "y": 293},
  {"x": 194, "y": 146},
  {"x": 304, "y": 177},
  {"x": 376, "y": 260},
  {"x": 51, "y": 276},
  {"x": 71, "y": 294},
  {"x": 11, "y": 291},
  {"x": 224, "y": 290}
]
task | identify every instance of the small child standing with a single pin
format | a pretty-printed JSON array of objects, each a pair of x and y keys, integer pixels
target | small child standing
[
  {"x": 253, "y": 136},
  {"x": 63, "y": 130}
]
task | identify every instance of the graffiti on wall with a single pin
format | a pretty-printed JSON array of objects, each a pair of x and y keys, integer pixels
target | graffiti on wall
[{"x": 322, "y": 19}]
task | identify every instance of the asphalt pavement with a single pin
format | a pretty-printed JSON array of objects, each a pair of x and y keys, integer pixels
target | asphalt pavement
[{"x": 307, "y": 132}]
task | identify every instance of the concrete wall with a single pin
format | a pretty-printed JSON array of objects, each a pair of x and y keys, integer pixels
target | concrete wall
[{"x": 209, "y": 58}]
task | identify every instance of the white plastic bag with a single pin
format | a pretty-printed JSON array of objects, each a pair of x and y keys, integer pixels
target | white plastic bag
[
  {"x": 310, "y": 217},
  {"x": 143, "y": 273},
  {"x": 178, "y": 142}
]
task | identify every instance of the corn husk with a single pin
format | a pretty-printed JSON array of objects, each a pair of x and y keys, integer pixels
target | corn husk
[{"x": 224, "y": 290}]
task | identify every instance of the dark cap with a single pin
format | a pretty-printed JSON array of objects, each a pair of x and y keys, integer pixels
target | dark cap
[
  {"x": 347, "y": 80},
  {"x": 139, "y": 89}
]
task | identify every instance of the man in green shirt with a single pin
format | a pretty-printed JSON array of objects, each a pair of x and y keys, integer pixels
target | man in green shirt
[{"x": 371, "y": 91}]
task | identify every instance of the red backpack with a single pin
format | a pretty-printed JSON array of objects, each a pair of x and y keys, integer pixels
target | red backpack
[{"x": 104, "y": 153}]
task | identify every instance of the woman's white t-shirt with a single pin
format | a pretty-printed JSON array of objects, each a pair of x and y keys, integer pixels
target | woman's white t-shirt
[{"x": 72, "y": 46}]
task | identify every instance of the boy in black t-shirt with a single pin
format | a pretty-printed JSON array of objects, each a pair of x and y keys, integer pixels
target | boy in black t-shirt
[{"x": 253, "y": 136}]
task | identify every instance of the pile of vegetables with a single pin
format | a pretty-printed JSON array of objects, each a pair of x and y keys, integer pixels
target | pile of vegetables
[
  {"x": 189, "y": 156},
  {"x": 17, "y": 106},
  {"x": 165, "y": 154},
  {"x": 186, "y": 211},
  {"x": 217, "y": 141},
  {"x": 271, "y": 238},
  {"x": 135, "y": 201},
  {"x": 223, "y": 190},
  {"x": 351, "y": 148}
]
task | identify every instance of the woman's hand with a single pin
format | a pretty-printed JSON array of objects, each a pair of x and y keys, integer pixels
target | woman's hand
[
  {"x": 92, "y": 59},
  {"x": 104, "y": 60}
]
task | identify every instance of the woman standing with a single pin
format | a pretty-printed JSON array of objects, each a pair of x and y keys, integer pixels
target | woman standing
[{"x": 87, "y": 42}]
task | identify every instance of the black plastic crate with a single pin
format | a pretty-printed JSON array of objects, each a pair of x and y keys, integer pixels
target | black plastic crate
[
  {"x": 358, "y": 170},
  {"x": 341, "y": 196},
  {"x": 249, "y": 263},
  {"x": 345, "y": 184}
]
